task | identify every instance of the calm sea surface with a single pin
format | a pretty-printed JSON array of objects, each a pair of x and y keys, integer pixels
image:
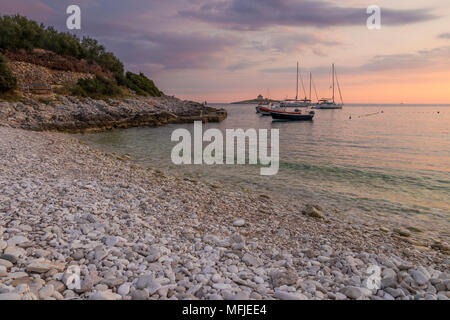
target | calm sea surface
[{"x": 391, "y": 161}]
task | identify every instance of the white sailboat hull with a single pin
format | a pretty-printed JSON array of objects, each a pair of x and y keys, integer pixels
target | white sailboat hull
[
  {"x": 327, "y": 103},
  {"x": 294, "y": 104}
]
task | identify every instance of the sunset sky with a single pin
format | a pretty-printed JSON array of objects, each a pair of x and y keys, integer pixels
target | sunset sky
[{"x": 228, "y": 50}]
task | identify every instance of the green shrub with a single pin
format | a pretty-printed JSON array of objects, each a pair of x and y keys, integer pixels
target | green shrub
[
  {"x": 17, "y": 32},
  {"x": 96, "y": 88},
  {"x": 142, "y": 85},
  {"x": 91, "y": 50},
  {"x": 7, "y": 80}
]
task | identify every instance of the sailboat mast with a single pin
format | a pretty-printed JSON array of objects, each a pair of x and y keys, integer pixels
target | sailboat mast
[
  {"x": 310, "y": 81},
  {"x": 296, "y": 90},
  {"x": 333, "y": 81}
]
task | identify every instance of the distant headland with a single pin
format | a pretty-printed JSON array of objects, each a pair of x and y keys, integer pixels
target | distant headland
[{"x": 259, "y": 100}]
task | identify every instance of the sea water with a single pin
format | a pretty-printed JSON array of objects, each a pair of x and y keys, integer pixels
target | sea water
[{"x": 390, "y": 161}]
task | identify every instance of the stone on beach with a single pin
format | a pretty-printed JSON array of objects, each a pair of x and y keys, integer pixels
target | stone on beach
[
  {"x": 3, "y": 271},
  {"x": 421, "y": 277},
  {"x": 354, "y": 292},
  {"x": 42, "y": 266},
  {"x": 282, "y": 295},
  {"x": 5, "y": 263},
  {"x": 124, "y": 289},
  {"x": 284, "y": 277},
  {"x": 46, "y": 291},
  {"x": 10, "y": 296},
  {"x": 239, "y": 222},
  {"x": 251, "y": 260},
  {"x": 312, "y": 211},
  {"x": 402, "y": 232},
  {"x": 104, "y": 295},
  {"x": 15, "y": 252}
]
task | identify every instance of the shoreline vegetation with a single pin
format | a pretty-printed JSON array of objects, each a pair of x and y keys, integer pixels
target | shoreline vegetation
[
  {"x": 82, "y": 87},
  {"x": 139, "y": 233}
]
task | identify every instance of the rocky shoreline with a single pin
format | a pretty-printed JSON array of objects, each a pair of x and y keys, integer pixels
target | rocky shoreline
[
  {"x": 70, "y": 114},
  {"x": 137, "y": 233}
]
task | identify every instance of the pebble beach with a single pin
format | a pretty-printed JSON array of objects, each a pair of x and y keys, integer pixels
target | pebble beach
[{"x": 138, "y": 233}]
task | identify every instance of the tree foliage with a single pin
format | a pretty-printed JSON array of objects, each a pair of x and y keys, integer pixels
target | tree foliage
[
  {"x": 97, "y": 88},
  {"x": 7, "y": 80},
  {"x": 18, "y": 32},
  {"x": 142, "y": 85}
]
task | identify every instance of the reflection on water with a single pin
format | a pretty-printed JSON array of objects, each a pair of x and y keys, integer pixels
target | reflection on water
[{"x": 379, "y": 159}]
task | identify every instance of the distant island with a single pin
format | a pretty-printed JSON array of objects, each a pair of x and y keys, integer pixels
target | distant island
[{"x": 259, "y": 100}]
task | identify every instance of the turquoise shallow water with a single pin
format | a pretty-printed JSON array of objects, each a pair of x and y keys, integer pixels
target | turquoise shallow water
[{"x": 390, "y": 160}]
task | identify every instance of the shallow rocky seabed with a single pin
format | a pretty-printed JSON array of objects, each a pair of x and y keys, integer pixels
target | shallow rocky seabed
[{"x": 137, "y": 233}]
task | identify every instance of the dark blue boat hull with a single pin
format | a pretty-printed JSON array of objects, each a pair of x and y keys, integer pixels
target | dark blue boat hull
[{"x": 292, "y": 117}]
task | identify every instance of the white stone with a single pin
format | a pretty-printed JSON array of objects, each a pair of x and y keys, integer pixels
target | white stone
[
  {"x": 17, "y": 240},
  {"x": 258, "y": 280},
  {"x": 153, "y": 286},
  {"x": 251, "y": 260},
  {"x": 283, "y": 295},
  {"x": 104, "y": 295},
  {"x": 124, "y": 289},
  {"x": 9, "y": 296},
  {"x": 353, "y": 292},
  {"x": 216, "y": 277},
  {"x": 239, "y": 222},
  {"x": 111, "y": 241},
  {"x": 15, "y": 251},
  {"x": 42, "y": 266},
  {"x": 233, "y": 269},
  {"x": 3, "y": 271},
  {"x": 46, "y": 291},
  {"x": 3, "y": 244},
  {"x": 419, "y": 277},
  {"x": 221, "y": 286},
  {"x": 5, "y": 263}
]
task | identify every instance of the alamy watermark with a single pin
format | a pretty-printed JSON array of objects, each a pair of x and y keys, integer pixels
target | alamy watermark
[
  {"x": 235, "y": 142},
  {"x": 72, "y": 278},
  {"x": 74, "y": 20},
  {"x": 373, "y": 282},
  {"x": 374, "y": 20}
]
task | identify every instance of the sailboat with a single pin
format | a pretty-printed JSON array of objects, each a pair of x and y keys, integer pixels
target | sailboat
[
  {"x": 281, "y": 114},
  {"x": 265, "y": 110},
  {"x": 295, "y": 102},
  {"x": 296, "y": 115},
  {"x": 325, "y": 103}
]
